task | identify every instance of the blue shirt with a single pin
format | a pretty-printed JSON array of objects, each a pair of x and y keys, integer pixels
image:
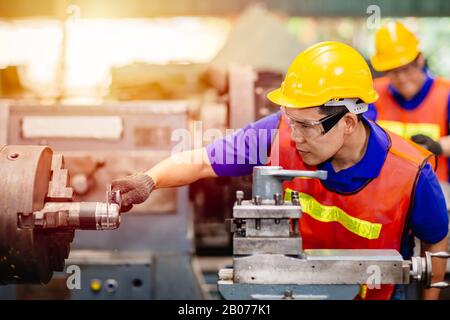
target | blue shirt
[{"x": 428, "y": 220}]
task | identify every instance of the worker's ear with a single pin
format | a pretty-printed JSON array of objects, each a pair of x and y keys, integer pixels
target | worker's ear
[
  {"x": 351, "y": 121},
  {"x": 420, "y": 61}
]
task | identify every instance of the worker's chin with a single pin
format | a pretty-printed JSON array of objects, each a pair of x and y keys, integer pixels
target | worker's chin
[
  {"x": 407, "y": 89},
  {"x": 309, "y": 158}
]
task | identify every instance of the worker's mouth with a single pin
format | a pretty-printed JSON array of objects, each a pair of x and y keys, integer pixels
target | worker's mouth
[
  {"x": 300, "y": 148},
  {"x": 302, "y": 151}
]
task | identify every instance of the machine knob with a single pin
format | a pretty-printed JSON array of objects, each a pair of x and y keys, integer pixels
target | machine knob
[{"x": 80, "y": 183}]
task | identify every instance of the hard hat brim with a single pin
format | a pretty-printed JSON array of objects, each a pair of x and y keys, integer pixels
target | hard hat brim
[
  {"x": 382, "y": 65},
  {"x": 277, "y": 97}
]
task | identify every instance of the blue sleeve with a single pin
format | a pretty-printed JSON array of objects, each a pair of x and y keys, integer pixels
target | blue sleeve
[
  {"x": 372, "y": 113},
  {"x": 429, "y": 217},
  {"x": 448, "y": 130},
  {"x": 236, "y": 154}
]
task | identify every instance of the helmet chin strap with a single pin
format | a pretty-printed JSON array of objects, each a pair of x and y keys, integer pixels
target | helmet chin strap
[{"x": 351, "y": 104}]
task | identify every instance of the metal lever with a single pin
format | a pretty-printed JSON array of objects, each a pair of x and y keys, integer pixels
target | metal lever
[
  {"x": 290, "y": 174},
  {"x": 441, "y": 254},
  {"x": 428, "y": 256},
  {"x": 440, "y": 285},
  {"x": 268, "y": 180}
]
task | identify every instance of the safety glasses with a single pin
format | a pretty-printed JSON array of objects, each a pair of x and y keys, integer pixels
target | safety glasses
[{"x": 311, "y": 129}]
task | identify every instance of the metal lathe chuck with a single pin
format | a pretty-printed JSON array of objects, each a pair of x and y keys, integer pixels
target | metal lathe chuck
[{"x": 37, "y": 215}]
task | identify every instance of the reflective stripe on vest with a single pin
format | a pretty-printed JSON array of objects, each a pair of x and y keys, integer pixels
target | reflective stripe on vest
[
  {"x": 407, "y": 130},
  {"x": 323, "y": 213}
]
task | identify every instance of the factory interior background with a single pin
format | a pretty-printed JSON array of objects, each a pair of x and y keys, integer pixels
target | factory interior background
[{"x": 105, "y": 83}]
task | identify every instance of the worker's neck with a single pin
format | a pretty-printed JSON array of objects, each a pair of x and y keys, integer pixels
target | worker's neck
[{"x": 353, "y": 150}]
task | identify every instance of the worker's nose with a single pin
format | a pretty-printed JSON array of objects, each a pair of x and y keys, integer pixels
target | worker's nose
[
  {"x": 297, "y": 137},
  {"x": 402, "y": 77}
]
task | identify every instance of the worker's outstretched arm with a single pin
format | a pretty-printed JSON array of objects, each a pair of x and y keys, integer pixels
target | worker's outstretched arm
[
  {"x": 438, "y": 266},
  {"x": 181, "y": 169},
  {"x": 177, "y": 170}
]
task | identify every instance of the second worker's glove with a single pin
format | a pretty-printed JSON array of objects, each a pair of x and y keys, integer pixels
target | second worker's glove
[
  {"x": 133, "y": 189},
  {"x": 428, "y": 143}
]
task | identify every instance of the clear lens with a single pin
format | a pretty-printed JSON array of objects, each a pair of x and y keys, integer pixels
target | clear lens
[
  {"x": 307, "y": 130},
  {"x": 313, "y": 128}
]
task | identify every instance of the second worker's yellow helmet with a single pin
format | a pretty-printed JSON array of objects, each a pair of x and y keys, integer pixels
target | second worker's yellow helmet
[
  {"x": 395, "y": 46},
  {"x": 325, "y": 71}
]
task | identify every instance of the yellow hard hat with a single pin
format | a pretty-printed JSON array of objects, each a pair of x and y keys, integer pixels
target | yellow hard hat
[
  {"x": 325, "y": 71},
  {"x": 395, "y": 46}
]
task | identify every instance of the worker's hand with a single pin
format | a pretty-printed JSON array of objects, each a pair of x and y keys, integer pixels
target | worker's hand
[
  {"x": 133, "y": 189},
  {"x": 428, "y": 143}
]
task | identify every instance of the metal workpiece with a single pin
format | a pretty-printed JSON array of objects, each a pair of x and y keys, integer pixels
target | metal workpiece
[
  {"x": 78, "y": 215},
  {"x": 37, "y": 217},
  {"x": 268, "y": 180}
]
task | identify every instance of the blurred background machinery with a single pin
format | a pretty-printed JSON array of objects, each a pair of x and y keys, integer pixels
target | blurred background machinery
[
  {"x": 220, "y": 59},
  {"x": 150, "y": 256}
]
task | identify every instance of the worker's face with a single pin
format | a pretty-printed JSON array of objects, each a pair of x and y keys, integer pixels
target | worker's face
[
  {"x": 320, "y": 147},
  {"x": 408, "y": 79}
]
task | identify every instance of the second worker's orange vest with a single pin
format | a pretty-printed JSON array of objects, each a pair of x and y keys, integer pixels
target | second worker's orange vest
[{"x": 429, "y": 118}]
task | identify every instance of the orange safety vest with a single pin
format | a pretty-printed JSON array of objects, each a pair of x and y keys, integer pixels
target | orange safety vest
[
  {"x": 429, "y": 118},
  {"x": 373, "y": 217}
]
